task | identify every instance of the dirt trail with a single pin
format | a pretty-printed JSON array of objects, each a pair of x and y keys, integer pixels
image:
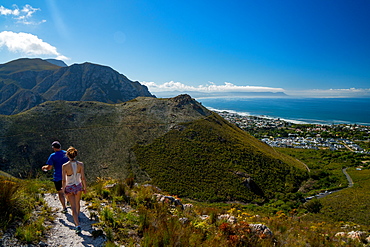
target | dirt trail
[
  {"x": 308, "y": 169},
  {"x": 350, "y": 181},
  {"x": 63, "y": 227}
]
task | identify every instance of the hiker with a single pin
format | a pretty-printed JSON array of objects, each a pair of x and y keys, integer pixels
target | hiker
[
  {"x": 56, "y": 161},
  {"x": 74, "y": 183}
]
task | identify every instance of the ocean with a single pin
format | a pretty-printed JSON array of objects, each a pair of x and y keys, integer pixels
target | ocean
[{"x": 298, "y": 110}]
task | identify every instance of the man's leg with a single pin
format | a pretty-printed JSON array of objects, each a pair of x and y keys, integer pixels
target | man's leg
[{"x": 62, "y": 199}]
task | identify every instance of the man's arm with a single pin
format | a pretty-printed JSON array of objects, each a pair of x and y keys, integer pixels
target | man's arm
[
  {"x": 47, "y": 167},
  {"x": 49, "y": 163}
]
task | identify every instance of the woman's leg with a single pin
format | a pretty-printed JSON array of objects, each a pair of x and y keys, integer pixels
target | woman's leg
[
  {"x": 72, "y": 201},
  {"x": 78, "y": 204}
]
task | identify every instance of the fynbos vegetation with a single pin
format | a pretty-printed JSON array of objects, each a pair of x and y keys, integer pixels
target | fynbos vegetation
[
  {"x": 175, "y": 143},
  {"x": 212, "y": 160}
]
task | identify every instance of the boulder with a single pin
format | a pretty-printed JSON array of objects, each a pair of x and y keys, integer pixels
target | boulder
[{"x": 261, "y": 230}]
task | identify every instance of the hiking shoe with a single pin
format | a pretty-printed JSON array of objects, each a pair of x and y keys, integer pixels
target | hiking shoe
[
  {"x": 78, "y": 229},
  {"x": 64, "y": 211}
]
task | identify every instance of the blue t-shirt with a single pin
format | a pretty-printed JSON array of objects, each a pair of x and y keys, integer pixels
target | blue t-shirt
[{"x": 57, "y": 160}]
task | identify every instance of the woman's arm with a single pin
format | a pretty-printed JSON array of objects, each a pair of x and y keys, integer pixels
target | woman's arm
[
  {"x": 64, "y": 174},
  {"x": 83, "y": 179}
]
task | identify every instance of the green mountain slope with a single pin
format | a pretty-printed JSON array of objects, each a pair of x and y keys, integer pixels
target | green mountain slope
[
  {"x": 210, "y": 159},
  {"x": 176, "y": 143}
]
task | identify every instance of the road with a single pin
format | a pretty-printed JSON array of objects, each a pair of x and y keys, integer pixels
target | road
[{"x": 323, "y": 194}]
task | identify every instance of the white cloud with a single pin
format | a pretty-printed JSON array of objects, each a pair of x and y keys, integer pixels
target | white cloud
[
  {"x": 5, "y": 11},
  {"x": 28, "y": 44},
  {"x": 23, "y": 15},
  {"x": 28, "y": 10},
  {"x": 332, "y": 93},
  {"x": 173, "y": 88},
  {"x": 208, "y": 88}
]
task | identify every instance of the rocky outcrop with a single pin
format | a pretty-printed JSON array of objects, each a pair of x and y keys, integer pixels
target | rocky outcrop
[
  {"x": 360, "y": 236},
  {"x": 261, "y": 230},
  {"x": 168, "y": 199},
  {"x": 229, "y": 218},
  {"x": 91, "y": 82},
  {"x": 184, "y": 100},
  {"x": 249, "y": 183},
  {"x": 232, "y": 226}
]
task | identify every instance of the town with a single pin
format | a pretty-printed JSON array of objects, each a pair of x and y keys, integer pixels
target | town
[{"x": 281, "y": 133}]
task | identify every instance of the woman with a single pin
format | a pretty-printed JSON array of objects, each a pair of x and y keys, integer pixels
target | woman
[{"x": 74, "y": 183}]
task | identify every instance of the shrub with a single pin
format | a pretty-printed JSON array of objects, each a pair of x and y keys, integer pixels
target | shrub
[
  {"x": 18, "y": 200},
  {"x": 313, "y": 206},
  {"x": 9, "y": 201},
  {"x": 31, "y": 232}
]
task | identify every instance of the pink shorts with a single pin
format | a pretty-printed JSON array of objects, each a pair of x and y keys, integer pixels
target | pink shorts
[{"x": 73, "y": 189}]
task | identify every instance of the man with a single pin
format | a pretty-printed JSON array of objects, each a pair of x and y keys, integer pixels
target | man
[{"x": 56, "y": 160}]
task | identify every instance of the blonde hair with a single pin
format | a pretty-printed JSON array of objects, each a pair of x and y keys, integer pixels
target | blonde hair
[{"x": 71, "y": 152}]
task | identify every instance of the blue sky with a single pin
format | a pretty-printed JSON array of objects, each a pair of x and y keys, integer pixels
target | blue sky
[{"x": 313, "y": 48}]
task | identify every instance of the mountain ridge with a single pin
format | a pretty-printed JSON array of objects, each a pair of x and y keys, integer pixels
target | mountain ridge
[
  {"x": 25, "y": 64},
  {"x": 24, "y": 83}
]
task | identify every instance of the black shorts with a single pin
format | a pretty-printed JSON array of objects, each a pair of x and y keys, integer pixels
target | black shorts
[{"x": 58, "y": 185}]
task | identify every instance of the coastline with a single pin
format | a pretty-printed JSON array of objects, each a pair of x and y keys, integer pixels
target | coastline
[
  {"x": 298, "y": 111},
  {"x": 246, "y": 114}
]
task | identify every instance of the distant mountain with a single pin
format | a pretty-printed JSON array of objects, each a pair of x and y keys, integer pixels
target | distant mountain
[
  {"x": 199, "y": 94},
  {"x": 57, "y": 62},
  {"x": 24, "y": 65},
  {"x": 25, "y": 83},
  {"x": 175, "y": 144}
]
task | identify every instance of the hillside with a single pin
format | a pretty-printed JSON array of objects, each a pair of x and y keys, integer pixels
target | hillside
[
  {"x": 25, "y": 83},
  {"x": 211, "y": 159},
  {"x": 177, "y": 143}
]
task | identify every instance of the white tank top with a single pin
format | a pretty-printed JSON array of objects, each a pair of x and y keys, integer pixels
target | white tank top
[{"x": 75, "y": 178}]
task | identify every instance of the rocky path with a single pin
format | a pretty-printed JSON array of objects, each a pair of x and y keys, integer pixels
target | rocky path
[{"x": 63, "y": 227}]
